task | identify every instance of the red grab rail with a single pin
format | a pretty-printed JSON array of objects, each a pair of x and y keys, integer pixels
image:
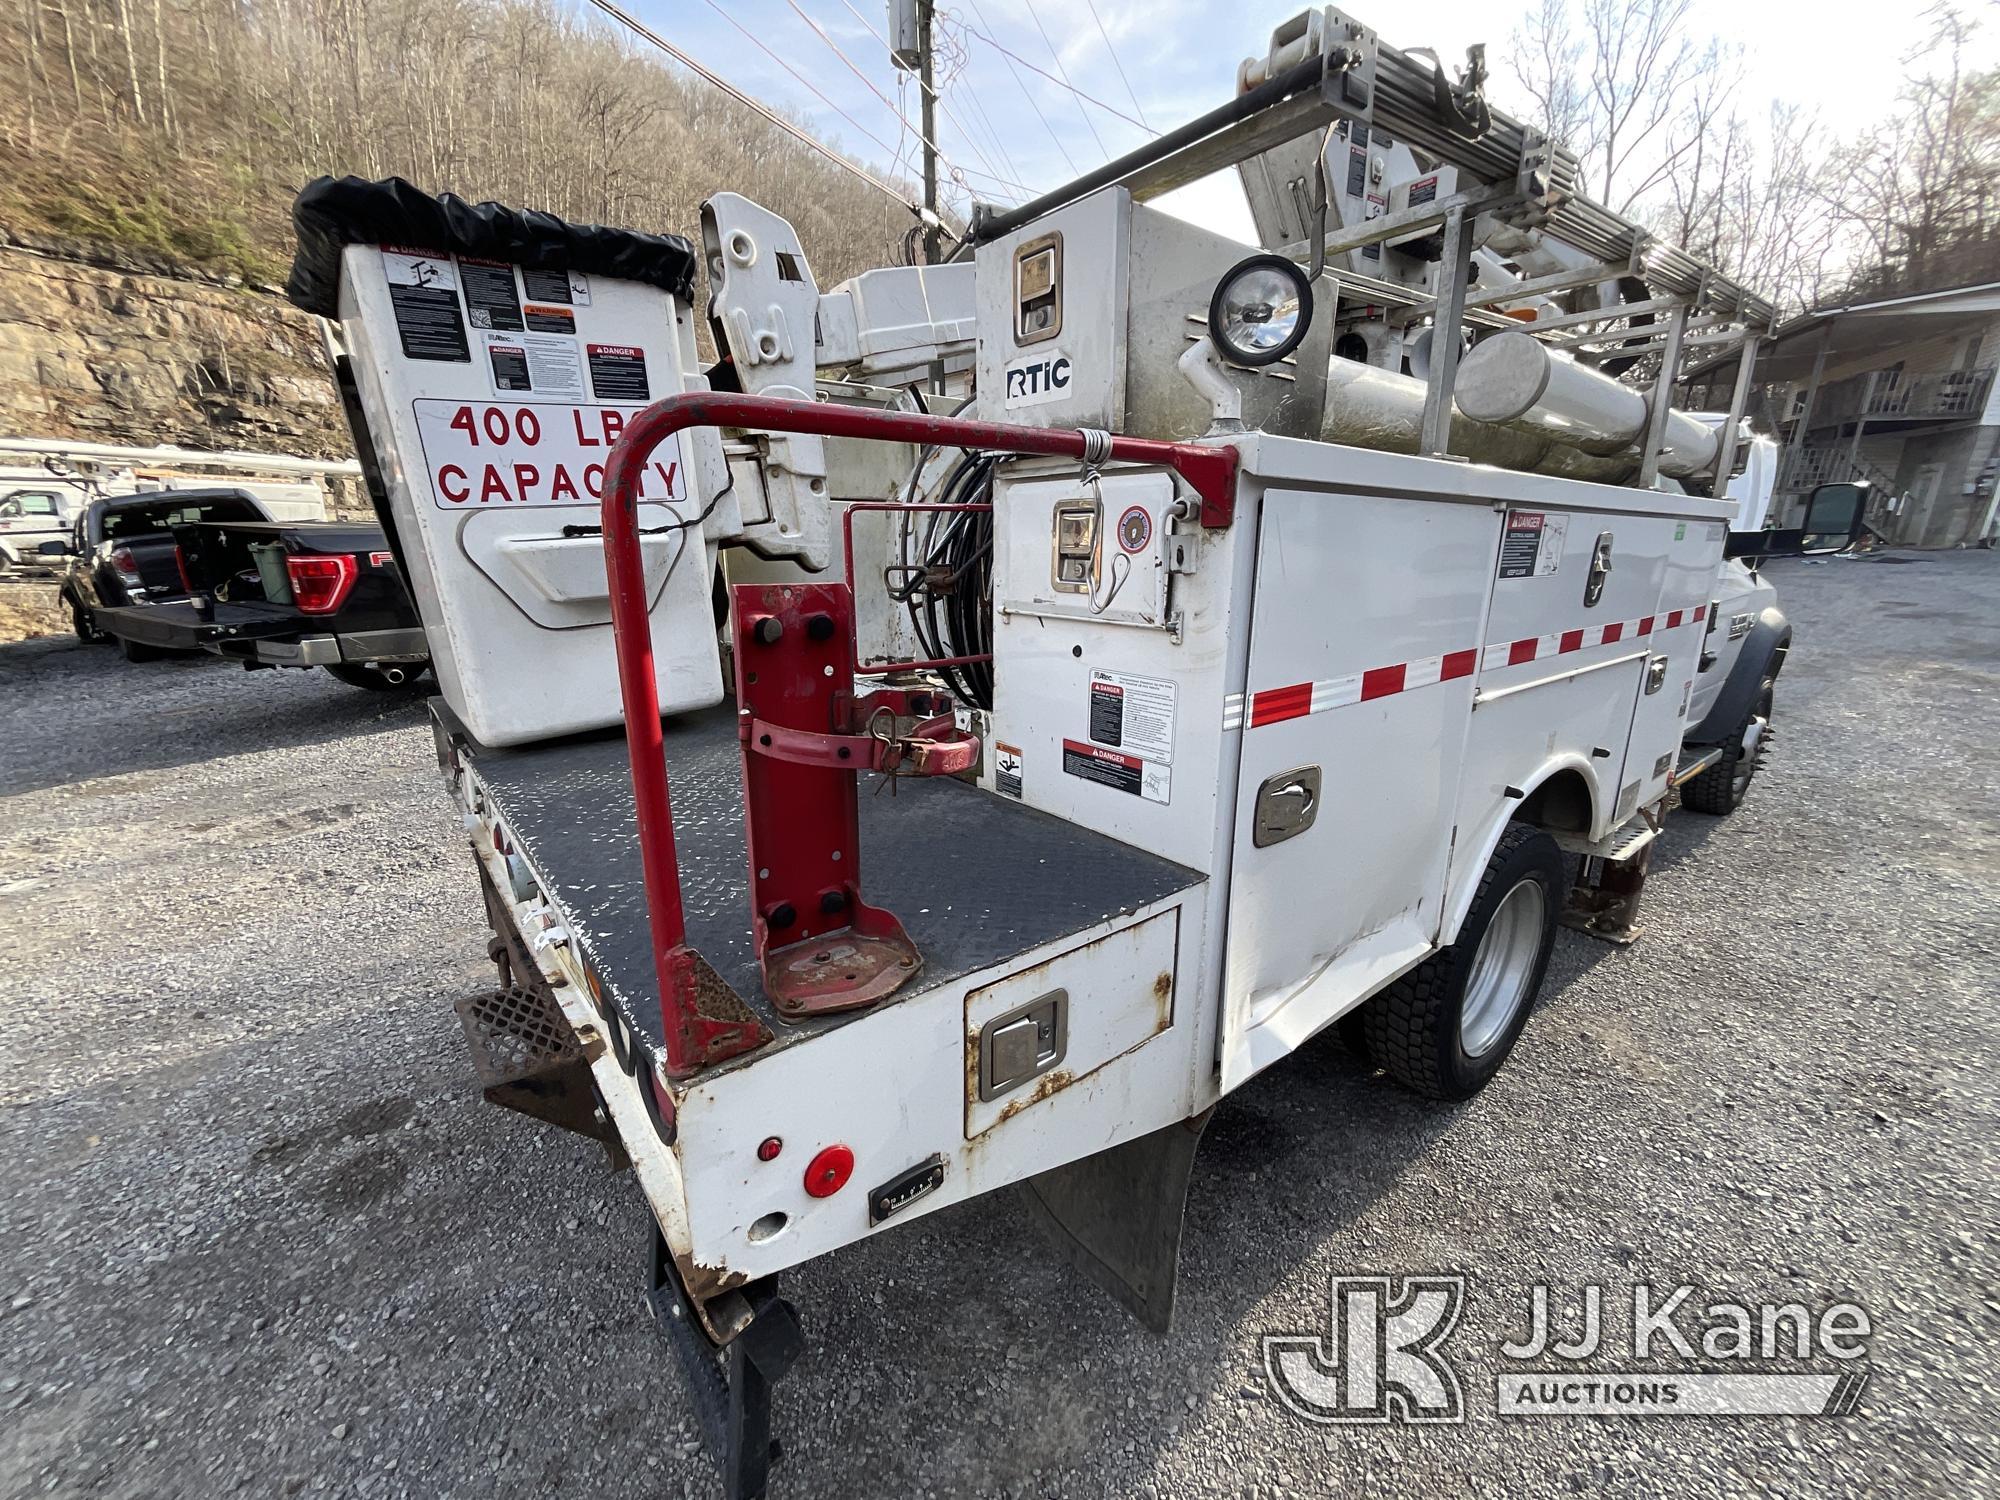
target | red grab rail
[{"x": 694, "y": 1039}]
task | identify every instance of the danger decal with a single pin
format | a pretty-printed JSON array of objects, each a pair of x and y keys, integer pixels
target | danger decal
[{"x": 497, "y": 455}]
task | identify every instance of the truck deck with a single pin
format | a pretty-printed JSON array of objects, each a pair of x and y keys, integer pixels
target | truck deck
[{"x": 977, "y": 880}]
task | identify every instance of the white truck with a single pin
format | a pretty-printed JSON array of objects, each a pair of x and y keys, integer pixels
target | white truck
[{"x": 1243, "y": 657}]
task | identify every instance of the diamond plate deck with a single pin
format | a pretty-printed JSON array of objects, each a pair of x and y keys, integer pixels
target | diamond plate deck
[{"x": 976, "y": 879}]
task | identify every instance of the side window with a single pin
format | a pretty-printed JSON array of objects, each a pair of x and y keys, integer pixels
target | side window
[{"x": 39, "y": 505}]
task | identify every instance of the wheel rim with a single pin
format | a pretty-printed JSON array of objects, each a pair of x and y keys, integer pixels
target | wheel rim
[
  {"x": 1754, "y": 735},
  {"x": 1502, "y": 969}
]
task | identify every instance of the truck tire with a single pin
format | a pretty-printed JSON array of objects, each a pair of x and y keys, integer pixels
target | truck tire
[
  {"x": 374, "y": 679},
  {"x": 1720, "y": 789},
  {"x": 81, "y": 622},
  {"x": 1444, "y": 1028}
]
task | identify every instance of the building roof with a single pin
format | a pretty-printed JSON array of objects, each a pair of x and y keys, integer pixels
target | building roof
[{"x": 1857, "y": 329}]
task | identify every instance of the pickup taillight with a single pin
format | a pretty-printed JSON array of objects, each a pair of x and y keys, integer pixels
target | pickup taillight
[
  {"x": 320, "y": 583},
  {"x": 123, "y": 560}
]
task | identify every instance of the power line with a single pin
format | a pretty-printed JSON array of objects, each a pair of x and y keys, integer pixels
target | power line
[
  {"x": 1109, "y": 109},
  {"x": 1056, "y": 57},
  {"x": 971, "y": 137},
  {"x": 805, "y": 138},
  {"x": 950, "y": 165},
  {"x": 758, "y": 42},
  {"x": 1117, "y": 64},
  {"x": 1067, "y": 158}
]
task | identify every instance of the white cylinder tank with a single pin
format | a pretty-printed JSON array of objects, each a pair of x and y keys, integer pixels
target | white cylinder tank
[{"x": 1514, "y": 380}]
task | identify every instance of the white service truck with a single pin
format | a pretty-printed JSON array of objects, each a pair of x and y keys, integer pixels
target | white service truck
[{"x": 1244, "y": 656}]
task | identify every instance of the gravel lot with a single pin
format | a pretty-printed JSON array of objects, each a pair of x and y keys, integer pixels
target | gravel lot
[{"x": 260, "y": 1234}]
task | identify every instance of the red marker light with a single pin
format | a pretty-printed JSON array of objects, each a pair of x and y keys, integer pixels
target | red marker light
[
  {"x": 769, "y": 1147},
  {"x": 829, "y": 1171}
]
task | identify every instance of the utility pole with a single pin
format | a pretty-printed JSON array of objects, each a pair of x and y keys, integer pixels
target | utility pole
[
  {"x": 910, "y": 52},
  {"x": 933, "y": 241}
]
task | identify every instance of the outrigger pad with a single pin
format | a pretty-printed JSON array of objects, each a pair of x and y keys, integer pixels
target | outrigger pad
[{"x": 1117, "y": 1216}]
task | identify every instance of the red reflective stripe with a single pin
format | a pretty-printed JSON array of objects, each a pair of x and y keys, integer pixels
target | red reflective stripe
[
  {"x": 1645, "y": 626},
  {"x": 1673, "y": 619},
  {"x": 1380, "y": 682},
  {"x": 1613, "y": 632},
  {"x": 1700, "y": 612},
  {"x": 1521, "y": 651},
  {"x": 1274, "y": 705},
  {"x": 1572, "y": 640},
  {"x": 1458, "y": 664}
]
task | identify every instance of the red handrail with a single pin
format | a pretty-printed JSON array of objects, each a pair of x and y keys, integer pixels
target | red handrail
[{"x": 693, "y": 1040}]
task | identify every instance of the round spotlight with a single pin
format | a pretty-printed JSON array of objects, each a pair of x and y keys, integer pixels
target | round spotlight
[{"x": 1260, "y": 311}]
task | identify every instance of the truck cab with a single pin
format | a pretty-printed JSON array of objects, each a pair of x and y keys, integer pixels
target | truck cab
[{"x": 31, "y": 514}]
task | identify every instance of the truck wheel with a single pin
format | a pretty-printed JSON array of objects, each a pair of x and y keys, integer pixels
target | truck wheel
[
  {"x": 80, "y": 621},
  {"x": 137, "y": 651},
  {"x": 1445, "y": 1027},
  {"x": 1721, "y": 788},
  {"x": 392, "y": 677}
]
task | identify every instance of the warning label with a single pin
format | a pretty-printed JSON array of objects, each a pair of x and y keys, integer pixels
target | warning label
[
  {"x": 1532, "y": 544},
  {"x": 1007, "y": 770},
  {"x": 618, "y": 372},
  {"x": 550, "y": 367},
  {"x": 1114, "y": 768},
  {"x": 510, "y": 367},
  {"x": 547, "y": 286},
  {"x": 489, "y": 295},
  {"x": 491, "y": 456},
  {"x": 543, "y": 319},
  {"x": 423, "y": 292},
  {"x": 1133, "y": 713},
  {"x": 570, "y": 287}
]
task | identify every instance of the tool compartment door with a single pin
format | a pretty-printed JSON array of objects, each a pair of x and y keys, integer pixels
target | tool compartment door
[
  {"x": 1362, "y": 649},
  {"x": 1660, "y": 718},
  {"x": 1575, "y": 599}
]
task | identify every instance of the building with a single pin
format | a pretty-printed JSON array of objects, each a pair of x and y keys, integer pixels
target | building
[{"x": 1898, "y": 392}]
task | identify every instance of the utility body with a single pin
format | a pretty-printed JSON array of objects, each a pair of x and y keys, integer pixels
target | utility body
[{"x": 1219, "y": 693}]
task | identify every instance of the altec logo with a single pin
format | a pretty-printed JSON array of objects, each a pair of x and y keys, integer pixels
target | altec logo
[
  {"x": 1296, "y": 700},
  {"x": 1034, "y": 381}
]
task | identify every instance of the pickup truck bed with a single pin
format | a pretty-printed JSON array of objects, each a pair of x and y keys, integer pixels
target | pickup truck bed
[{"x": 975, "y": 879}]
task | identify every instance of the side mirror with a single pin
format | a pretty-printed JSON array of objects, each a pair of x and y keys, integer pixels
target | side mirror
[
  {"x": 1834, "y": 517},
  {"x": 53, "y": 549}
]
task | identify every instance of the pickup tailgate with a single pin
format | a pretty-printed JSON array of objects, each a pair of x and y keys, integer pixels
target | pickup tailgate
[{"x": 184, "y": 625}]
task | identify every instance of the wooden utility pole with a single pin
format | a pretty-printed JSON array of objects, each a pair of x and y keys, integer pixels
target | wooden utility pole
[{"x": 933, "y": 240}]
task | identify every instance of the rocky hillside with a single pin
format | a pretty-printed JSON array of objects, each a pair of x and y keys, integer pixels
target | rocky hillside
[
  {"x": 149, "y": 155},
  {"x": 110, "y": 344}
]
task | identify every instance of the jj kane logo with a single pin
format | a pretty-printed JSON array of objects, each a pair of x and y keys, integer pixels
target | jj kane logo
[{"x": 1384, "y": 1355}]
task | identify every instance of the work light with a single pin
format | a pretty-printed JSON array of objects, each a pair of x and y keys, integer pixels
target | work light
[{"x": 1260, "y": 311}]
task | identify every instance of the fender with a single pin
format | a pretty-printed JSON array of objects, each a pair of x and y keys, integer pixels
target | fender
[
  {"x": 1475, "y": 846},
  {"x": 1765, "y": 646}
]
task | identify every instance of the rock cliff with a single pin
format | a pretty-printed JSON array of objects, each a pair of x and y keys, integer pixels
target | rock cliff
[{"x": 111, "y": 345}]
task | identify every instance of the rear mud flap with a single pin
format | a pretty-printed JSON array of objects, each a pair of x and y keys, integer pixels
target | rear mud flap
[
  {"x": 730, "y": 1387},
  {"x": 1117, "y": 1216}
]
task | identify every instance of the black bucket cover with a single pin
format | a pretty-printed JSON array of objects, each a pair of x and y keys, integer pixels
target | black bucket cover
[{"x": 332, "y": 213}]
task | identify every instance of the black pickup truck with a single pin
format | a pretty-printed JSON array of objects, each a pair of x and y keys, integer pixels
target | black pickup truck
[{"x": 223, "y": 578}]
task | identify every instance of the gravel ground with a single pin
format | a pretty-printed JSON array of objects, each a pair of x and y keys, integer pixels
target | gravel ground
[{"x": 260, "y": 1234}]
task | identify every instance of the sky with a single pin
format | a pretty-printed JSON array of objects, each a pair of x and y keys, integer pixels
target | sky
[{"x": 1006, "y": 129}]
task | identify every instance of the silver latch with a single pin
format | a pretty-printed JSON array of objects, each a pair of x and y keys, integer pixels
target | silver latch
[
  {"x": 1023, "y": 1043},
  {"x": 1656, "y": 674},
  {"x": 1287, "y": 803},
  {"x": 1600, "y": 569}
]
